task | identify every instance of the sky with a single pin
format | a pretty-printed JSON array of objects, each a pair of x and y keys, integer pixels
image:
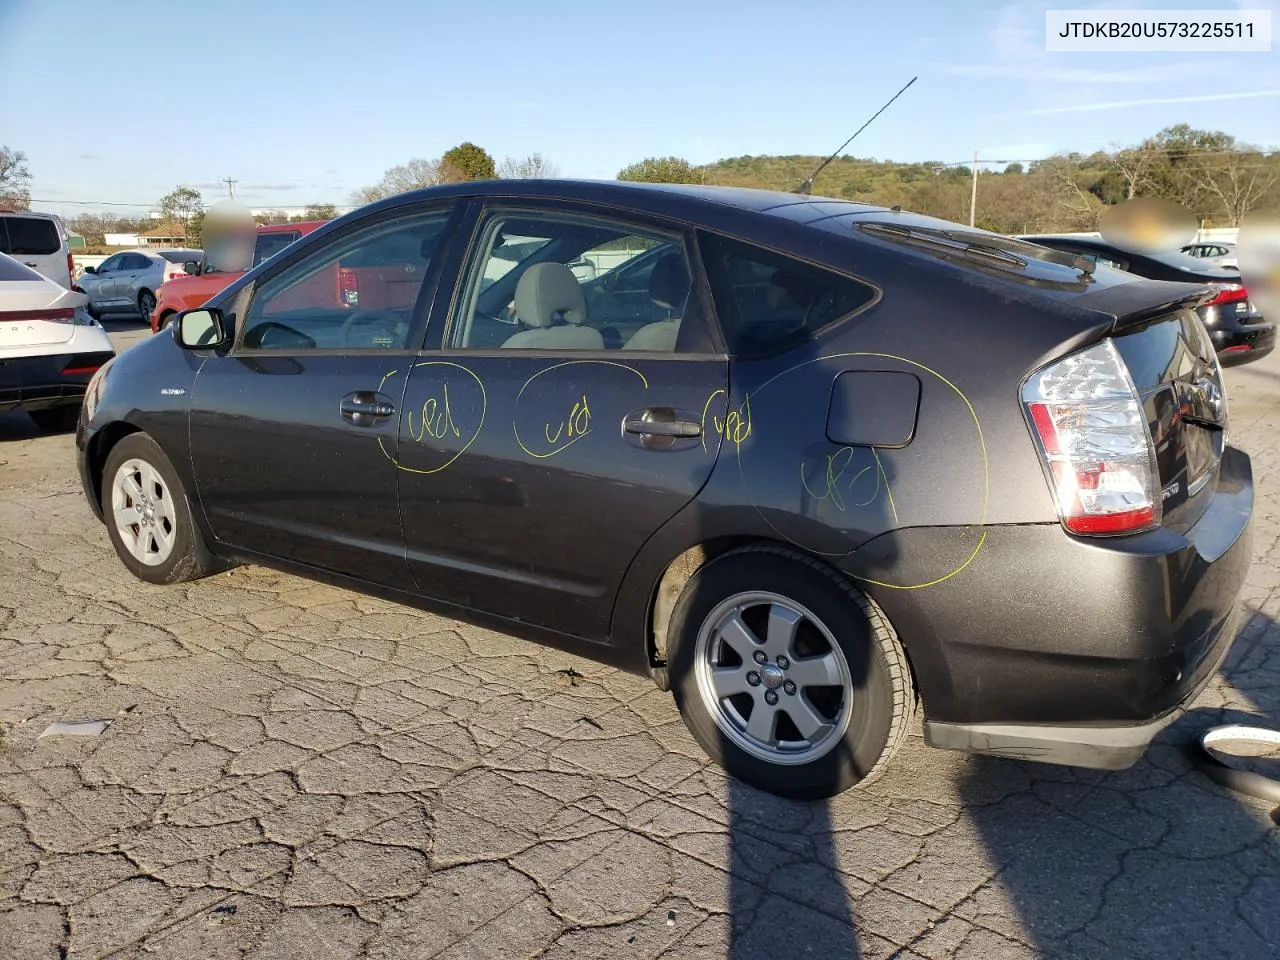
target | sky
[{"x": 302, "y": 101}]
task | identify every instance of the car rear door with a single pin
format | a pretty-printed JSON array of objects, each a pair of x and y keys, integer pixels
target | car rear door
[
  {"x": 533, "y": 470},
  {"x": 294, "y": 430}
]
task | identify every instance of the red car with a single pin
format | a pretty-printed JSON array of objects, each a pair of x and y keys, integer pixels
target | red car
[{"x": 203, "y": 280}]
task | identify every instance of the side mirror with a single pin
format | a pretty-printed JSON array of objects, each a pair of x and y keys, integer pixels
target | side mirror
[
  {"x": 200, "y": 329},
  {"x": 90, "y": 269},
  {"x": 191, "y": 267}
]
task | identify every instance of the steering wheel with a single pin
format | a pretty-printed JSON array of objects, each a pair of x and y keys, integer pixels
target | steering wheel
[{"x": 384, "y": 318}]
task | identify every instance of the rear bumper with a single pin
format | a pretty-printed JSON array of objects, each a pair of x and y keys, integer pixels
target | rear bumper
[
  {"x": 1073, "y": 650},
  {"x": 1244, "y": 344},
  {"x": 34, "y": 383}
]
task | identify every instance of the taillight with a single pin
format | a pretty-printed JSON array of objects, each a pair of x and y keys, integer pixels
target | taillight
[
  {"x": 348, "y": 287},
  {"x": 1228, "y": 293},
  {"x": 71, "y": 268},
  {"x": 67, "y": 315},
  {"x": 1093, "y": 436}
]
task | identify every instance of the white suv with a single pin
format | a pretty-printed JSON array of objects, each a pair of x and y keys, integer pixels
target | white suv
[{"x": 38, "y": 240}]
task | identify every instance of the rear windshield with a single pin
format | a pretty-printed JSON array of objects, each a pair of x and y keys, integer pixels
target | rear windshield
[
  {"x": 29, "y": 236},
  {"x": 269, "y": 244},
  {"x": 11, "y": 269}
]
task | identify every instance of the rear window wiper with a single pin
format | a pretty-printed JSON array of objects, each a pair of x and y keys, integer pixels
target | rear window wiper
[{"x": 1005, "y": 252}]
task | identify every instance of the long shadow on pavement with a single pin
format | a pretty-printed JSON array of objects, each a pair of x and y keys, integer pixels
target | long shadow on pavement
[{"x": 1151, "y": 862}]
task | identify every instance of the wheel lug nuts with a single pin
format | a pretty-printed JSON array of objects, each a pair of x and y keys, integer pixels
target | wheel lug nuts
[
  {"x": 759, "y": 656},
  {"x": 783, "y": 662},
  {"x": 789, "y": 687},
  {"x": 753, "y": 678},
  {"x": 770, "y": 697}
]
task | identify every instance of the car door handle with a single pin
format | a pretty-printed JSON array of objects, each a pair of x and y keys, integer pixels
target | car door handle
[
  {"x": 365, "y": 408},
  {"x": 660, "y": 422}
]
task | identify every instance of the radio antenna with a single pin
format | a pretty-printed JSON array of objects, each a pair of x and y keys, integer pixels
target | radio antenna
[{"x": 806, "y": 187}]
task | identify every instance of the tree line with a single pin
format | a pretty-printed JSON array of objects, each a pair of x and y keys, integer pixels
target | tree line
[
  {"x": 1211, "y": 173},
  {"x": 1220, "y": 179}
]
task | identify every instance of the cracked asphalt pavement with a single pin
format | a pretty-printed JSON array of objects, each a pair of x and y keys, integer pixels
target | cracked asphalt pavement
[{"x": 293, "y": 770}]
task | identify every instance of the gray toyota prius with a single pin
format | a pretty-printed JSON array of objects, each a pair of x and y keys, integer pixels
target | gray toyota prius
[{"x": 812, "y": 465}]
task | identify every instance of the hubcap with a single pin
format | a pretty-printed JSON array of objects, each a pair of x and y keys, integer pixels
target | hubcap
[
  {"x": 773, "y": 678},
  {"x": 142, "y": 508}
]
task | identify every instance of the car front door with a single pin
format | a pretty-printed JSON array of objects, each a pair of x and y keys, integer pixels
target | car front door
[
  {"x": 294, "y": 430},
  {"x": 535, "y": 459},
  {"x": 100, "y": 285},
  {"x": 126, "y": 290}
]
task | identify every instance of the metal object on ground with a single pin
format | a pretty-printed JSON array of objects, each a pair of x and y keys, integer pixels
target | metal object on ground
[{"x": 1206, "y": 758}]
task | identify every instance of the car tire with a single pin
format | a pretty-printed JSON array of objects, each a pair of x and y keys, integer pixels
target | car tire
[
  {"x": 164, "y": 321},
  {"x": 56, "y": 419},
  {"x": 146, "y": 305},
  {"x": 161, "y": 543},
  {"x": 832, "y": 664}
]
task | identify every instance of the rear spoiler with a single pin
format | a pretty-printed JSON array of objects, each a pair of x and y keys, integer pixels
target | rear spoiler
[{"x": 1132, "y": 304}]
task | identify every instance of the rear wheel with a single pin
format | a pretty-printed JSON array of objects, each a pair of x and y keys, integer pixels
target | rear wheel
[
  {"x": 787, "y": 675},
  {"x": 164, "y": 321},
  {"x": 56, "y": 419},
  {"x": 149, "y": 516},
  {"x": 146, "y": 304}
]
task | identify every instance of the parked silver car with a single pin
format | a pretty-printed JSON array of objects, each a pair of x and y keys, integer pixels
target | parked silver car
[
  {"x": 1216, "y": 253},
  {"x": 127, "y": 282}
]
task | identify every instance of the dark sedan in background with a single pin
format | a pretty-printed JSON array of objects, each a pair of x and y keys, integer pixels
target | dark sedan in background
[
  {"x": 837, "y": 463},
  {"x": 1239, "y": 332}
]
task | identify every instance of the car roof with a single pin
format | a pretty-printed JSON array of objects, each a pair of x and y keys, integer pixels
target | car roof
[
  {"x": 652, "y": 197},
  {"x": 305, "y": 226}
]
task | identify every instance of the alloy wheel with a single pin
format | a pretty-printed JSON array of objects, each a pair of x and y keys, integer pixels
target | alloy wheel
[
  {"x": 773, "y": 677},
  {"x": 142, "y": 509}
]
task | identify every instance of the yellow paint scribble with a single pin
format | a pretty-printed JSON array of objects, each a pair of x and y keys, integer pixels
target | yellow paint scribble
[
  {"x": 735, "y": 426},
  {"x": 578, "y": 423},
  {"x": 436, "y": 419},
  {"x": 837, "y": 464},
  {"x": 883, "y": 476}
]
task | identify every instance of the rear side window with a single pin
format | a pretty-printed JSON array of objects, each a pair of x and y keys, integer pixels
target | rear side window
[
  {"x": 768, "y": 302},
  {"x": 29, "y": 237}
]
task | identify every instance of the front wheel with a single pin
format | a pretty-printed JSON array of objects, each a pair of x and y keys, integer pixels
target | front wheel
[
  {"x": 787, "y": 675},
  {"x": 149, "y": 516}
]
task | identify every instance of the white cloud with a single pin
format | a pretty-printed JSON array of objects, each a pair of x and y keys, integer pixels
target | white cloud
[{"x": 1150, "y": 101}]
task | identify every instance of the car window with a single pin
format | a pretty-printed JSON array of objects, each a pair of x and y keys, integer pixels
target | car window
[
  {"x": 355, "y": 292},
  {"x": 767, "y": 301},
  {"x": 563, "y": 281},
  {"x": 29, "y": 236},
  {"x": 269, "y": 244},
  {"x": 111, "y": 264},
  {"x": 136, "y": 261}
]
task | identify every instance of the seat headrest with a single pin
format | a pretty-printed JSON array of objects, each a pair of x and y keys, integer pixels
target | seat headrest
[
  {"x": 669, "y": 282},
  {"x": 548, "y": 289}
]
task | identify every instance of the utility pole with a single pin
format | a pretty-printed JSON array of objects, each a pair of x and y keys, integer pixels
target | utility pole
[
  {"x": 231, "y": 187},
  {"x": 973, "y": 193}
]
